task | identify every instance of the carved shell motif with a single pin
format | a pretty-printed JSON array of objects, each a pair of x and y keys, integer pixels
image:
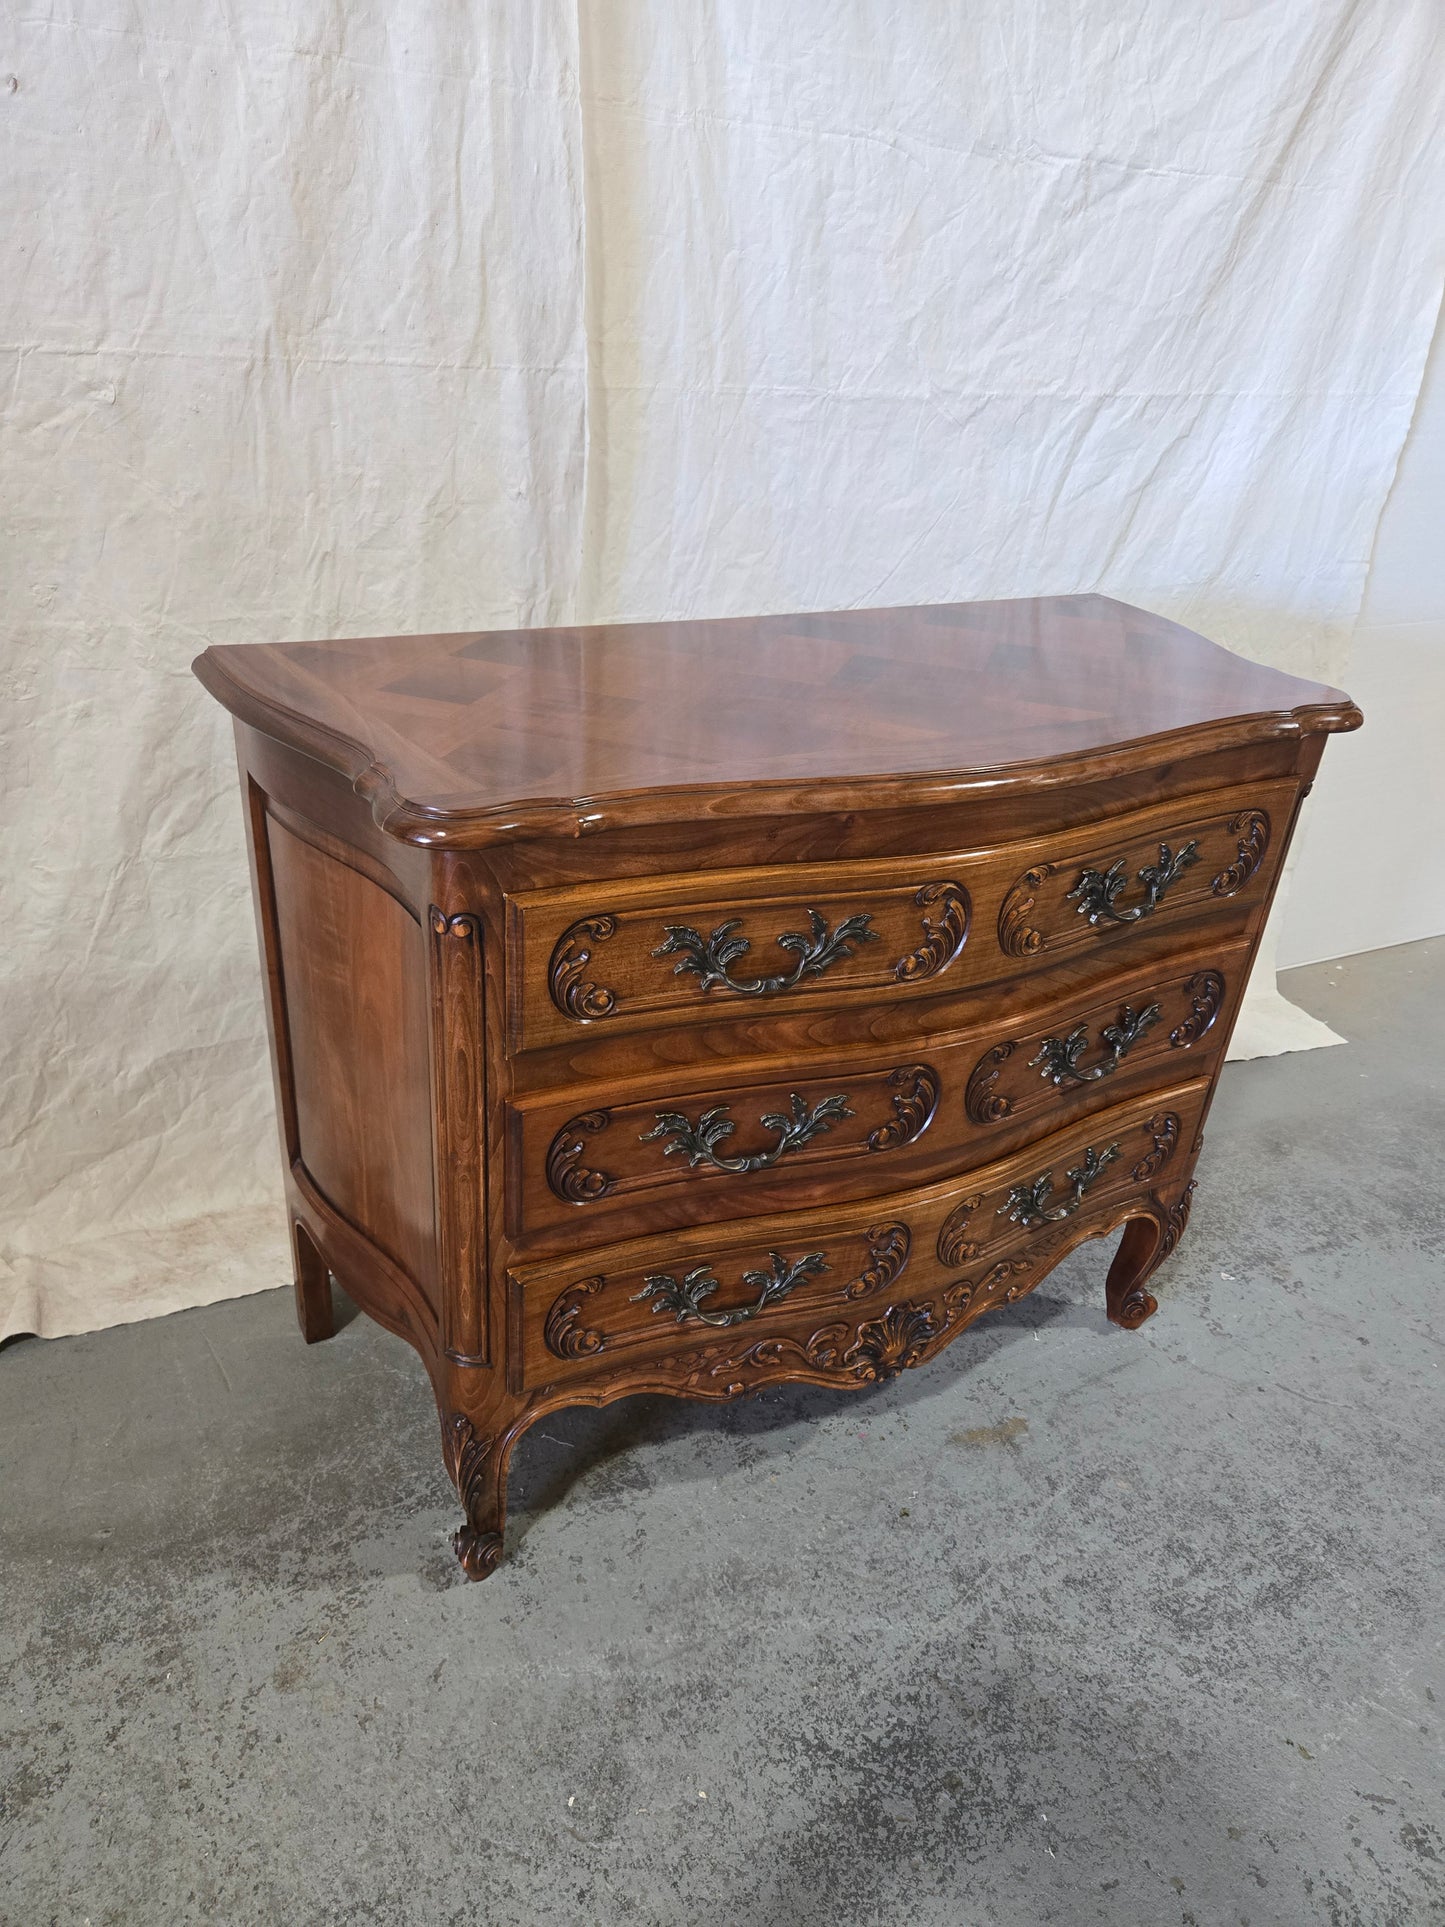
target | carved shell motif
[{"x": 888, "y": 1345}]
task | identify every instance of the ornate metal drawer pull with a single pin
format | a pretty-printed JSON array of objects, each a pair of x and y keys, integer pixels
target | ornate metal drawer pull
[
  {"x": 699, "y": 1142},
  {"x": 710, "y": 959},
  {"x": 1059, "y": 1057},
  {"x": 1097, "y": 891},
  {"x": 1028, "y": 1204},
  {"x": 684, "y": 1297}
]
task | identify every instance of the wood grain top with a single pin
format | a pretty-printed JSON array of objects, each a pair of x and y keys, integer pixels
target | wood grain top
[{"x": 472, "y": 739}]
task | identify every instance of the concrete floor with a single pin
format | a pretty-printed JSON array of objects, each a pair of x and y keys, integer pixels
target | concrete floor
[{"x": 1069, "y": 1626}]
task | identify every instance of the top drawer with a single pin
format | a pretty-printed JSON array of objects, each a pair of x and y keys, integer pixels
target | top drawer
[{"x": 633, "y": 952}]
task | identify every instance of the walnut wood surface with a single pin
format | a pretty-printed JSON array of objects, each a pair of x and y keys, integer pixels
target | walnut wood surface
[
  {"x": 477, "y": 737},
  {"x": 578, "y": 1167},
  {"x": 589, "y": 957},
  {"x": 930, "y": 1235},
  {"x": 355, "y": 1004},
  {"x": 1021, "y": 855}
]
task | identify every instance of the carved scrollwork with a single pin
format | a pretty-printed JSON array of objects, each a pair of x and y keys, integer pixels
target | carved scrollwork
[
  {"x": 1205, "y": 991},
  {"x": 1250, "y": 829},
  {"x": 1163, "y": 1127},
  {"x": 710, "y": 959},
  {"x": 573, "y": 995},
  {"x": 981, "y": 1101},
  {"x": 1017, "y": 937},
  {"x": 699, "y": 1143},
  {"x": 1004, "y": 1276},
  {"x": 945, "y": 929},
  {"x": 953, "y": 1248},
  {"x": 464, "y": 926},
  {"x": 1029, "y": 1205},
  {"x": 469, "y": 1461},
  {"x": 564, "y": 1332},
  {"x": 1176, "y": 1219},
  {"x": 888, "y": 1248},
  {"x": 568, "y": 1177},
  {"x": 1096, "y": 894},
  {"x": 915, "y": 1088}
]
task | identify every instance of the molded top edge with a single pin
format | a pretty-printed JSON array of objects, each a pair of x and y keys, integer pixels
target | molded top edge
[{"x": 472, "y": 739}]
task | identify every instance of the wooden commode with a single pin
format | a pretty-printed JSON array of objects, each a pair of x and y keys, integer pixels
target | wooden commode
[{"x": 681, "y": 1007}]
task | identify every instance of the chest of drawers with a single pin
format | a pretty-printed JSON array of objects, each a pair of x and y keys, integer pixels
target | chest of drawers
[{"x": 682, "y": 1007}]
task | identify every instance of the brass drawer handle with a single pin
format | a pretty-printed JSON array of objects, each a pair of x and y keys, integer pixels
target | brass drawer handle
[
  {"x": 710, "y": 959},
  {"x": 1097, "y": 892},
  {"x": 684, "y": 1297},
  {"x": 1028, "y": 1204},
  {"x": 1059, "y": 1058},
  {"x": 699, "y": 1142}
]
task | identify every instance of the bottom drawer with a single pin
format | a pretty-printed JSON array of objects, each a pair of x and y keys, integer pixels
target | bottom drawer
[{"x": 990, "y": 1233}]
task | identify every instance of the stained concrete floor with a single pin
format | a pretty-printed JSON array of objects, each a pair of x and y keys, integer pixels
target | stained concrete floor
[{"x": 1070, "y": 1626}]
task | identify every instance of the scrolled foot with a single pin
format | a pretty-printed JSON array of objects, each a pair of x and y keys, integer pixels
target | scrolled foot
[
  {"x": 477, "y": 1462},
  {"x": 479, "y": 1553},
  {"x": 1132, "y": 1310},
  {"x": 1146, "y": 1243}
]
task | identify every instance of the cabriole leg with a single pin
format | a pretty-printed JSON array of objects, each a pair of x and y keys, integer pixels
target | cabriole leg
[
  {"x": 477, "y": 1455},
  {"x": 1146, "y": 1243}
]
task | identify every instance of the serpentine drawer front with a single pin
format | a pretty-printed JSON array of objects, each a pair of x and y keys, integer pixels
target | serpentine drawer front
[
  {"x": 689, "y": 1007},
  {"x": 677, "y": 1150},
  {"x": 658, "y": 952},
  {"x": 953, "y": 1249}
]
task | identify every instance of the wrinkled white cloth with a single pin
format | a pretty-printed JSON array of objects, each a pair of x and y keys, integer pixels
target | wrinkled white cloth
[{"x": 326, "y": 320}]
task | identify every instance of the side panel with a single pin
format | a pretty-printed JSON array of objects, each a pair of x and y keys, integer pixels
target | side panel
[{"x": 353, "y": 969}]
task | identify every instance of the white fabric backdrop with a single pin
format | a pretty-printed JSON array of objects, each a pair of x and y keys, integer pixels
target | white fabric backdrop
[{"x": 346, "y": 318}]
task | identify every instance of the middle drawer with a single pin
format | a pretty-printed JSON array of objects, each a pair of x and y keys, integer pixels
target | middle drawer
[{"x": 843, "y": 1126}]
